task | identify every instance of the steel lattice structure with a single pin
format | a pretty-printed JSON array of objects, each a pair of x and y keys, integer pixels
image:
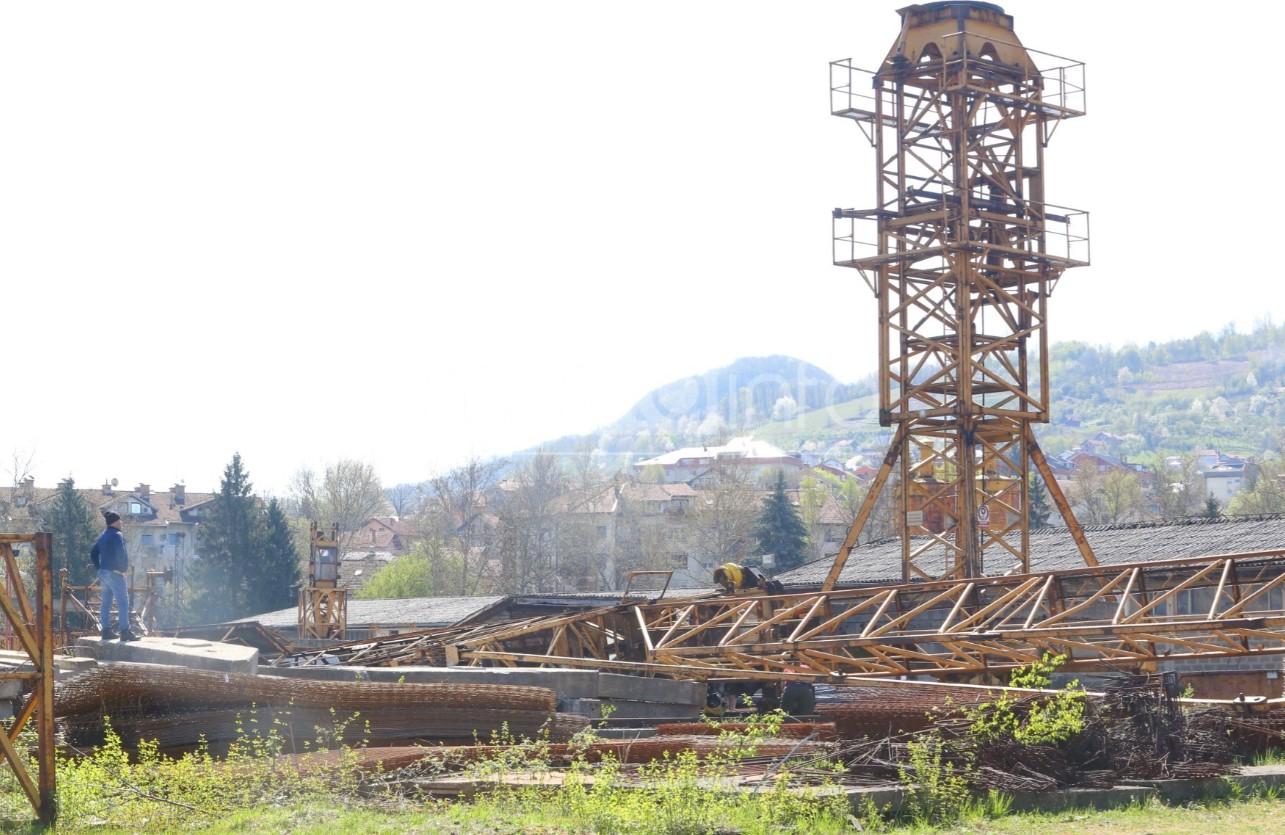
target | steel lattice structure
[
  {"x": 1120, "y": 617},
  {"x": 962, "y": 252},
  {"x": 28, "y": 626}
]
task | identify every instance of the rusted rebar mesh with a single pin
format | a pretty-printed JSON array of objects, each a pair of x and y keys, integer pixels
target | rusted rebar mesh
[
  {"x": 111, "y": 687},
  {"x": 299, "y": 728},
  {"x": 823, "y": 731}
]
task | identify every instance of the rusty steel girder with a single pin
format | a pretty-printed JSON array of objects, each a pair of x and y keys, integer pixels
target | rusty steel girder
[
  {"x": 1103, "y": 618},
  {"x": 29, "y": 628}
]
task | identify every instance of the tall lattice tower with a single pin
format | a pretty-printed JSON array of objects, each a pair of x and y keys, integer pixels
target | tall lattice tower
[{"x": 962, "y": 252}]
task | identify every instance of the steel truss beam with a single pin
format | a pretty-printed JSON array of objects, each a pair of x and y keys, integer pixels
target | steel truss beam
[
  {"x": 1103, "y": 618},
  {"x": 32, "y": 632}
]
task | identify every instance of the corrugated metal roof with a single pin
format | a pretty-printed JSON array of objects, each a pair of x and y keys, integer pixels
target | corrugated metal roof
[
  {"x": 1052, "y": 549},
  {"x": 424, "y": 612}
]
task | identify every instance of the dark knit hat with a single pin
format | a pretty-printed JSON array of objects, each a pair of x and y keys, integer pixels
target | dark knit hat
[{"x": 111, "y": 516}]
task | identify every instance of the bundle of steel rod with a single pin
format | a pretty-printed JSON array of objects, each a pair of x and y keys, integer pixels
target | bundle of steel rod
[
  {"x": 302, "y": 728},
  {"x": 178, "y": 707},
  {"x": 115, "y": 686},
  {"x": 876, "y": 709},
  {"x": 822, "y": 731}
]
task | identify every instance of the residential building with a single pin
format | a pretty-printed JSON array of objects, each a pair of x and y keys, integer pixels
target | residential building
[
  {"x": 1225, "y": 482},
  {"x": 159, "y": 526},
  {"x": 699, "y": 465}
]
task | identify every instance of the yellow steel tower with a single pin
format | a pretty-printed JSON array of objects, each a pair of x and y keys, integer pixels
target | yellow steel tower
[
  {"x": 962, "y": 251},
  {"x": 323, "y": 606}
]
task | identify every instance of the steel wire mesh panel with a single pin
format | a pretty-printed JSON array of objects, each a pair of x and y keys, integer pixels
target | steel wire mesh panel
[{"x": 135, "y": 685}]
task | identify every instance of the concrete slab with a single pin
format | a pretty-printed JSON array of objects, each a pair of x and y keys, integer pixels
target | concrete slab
[
  {"x": 62, "y": 663},
  {"x": 177, "y": 652},
  {"x": 639, "y": 689},
  {"x": 652, "y": 711},
  {"x": 568, "y": 684}
]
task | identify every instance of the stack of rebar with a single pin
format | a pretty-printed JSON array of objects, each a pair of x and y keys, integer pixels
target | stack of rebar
[{"x": 178, "y": 707}]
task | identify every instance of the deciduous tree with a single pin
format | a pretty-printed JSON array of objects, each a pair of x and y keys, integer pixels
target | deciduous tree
[
  {"x": 348, "y": 493},
  {"x": 726, "y": 512},
  {"x": 410, "y": 575},
  {"x": 1267, "y": 495},
  {"x": 456, "y": 515}
]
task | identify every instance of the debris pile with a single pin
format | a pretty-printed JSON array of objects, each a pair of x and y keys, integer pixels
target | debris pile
[{"x": 1135, "y": 730}]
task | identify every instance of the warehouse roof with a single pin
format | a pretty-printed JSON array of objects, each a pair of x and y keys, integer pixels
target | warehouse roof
[
  {"x": 1053, "y": 549},
  {"x": 421, "y": 612}
]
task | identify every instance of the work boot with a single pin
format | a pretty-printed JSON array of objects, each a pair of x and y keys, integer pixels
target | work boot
[
  {"x": 128, "y": 636},
  {"x": 109, "y": 635}
]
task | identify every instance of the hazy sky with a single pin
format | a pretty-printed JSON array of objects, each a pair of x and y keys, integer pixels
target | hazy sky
[{"x": 410, "y": 232}]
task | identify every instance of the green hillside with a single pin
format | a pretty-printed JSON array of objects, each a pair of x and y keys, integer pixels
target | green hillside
[{"x": 1225, "y": 391}]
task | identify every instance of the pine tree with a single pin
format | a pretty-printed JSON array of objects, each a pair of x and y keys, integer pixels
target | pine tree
[
  {"x": 1039, "y": 511},
  {"x": 780, "y": 531},
  {"x": 229, "y": 546},
  {"x": 1212, "y": 509},
  {"x": 71, "y": 521},
  {"x": 275, "y": 578}
]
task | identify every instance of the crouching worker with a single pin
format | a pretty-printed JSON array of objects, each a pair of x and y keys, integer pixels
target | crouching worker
[
  {"x": 109, "y": 557},
  {"x": 734, "y": 578}
]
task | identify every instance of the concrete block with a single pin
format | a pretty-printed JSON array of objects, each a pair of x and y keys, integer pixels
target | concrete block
[
  {"x": 653, "y": 711},
  {"x": 16, "y": 659},
  {"x": 591, "y": 708},
  {"x": 625, "y": 733},
  {"x": 568, "y": 684},
  {"x": 639, "y": 689},
  {"x": 176, "y": 652}
]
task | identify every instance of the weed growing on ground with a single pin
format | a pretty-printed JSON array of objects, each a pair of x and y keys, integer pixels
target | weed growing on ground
[{"x": 678, "y": 793}]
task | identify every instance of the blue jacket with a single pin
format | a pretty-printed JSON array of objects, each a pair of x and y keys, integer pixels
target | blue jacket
[{"x": 109, "y": 551}]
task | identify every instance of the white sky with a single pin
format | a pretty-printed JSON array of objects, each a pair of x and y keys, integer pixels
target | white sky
[{"x": 410, "y": 232}]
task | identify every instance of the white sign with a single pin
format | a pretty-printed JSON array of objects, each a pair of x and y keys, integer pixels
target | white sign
[
  {"x": 983, "y": 516},
  {"x": 915, "y": 517}
]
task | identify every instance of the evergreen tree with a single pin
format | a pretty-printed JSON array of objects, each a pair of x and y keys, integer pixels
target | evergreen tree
[
  {"x": 229, "y": 547},
  {"x": 275, "y": 578},
  {"x": 1212, "y": 509},
  {"x": 780, "y": 531},
  {"x": 1040, "y": 510},
  {"x": 71, "y": 521}
]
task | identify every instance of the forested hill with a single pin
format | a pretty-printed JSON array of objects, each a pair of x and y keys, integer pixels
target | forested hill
[
  {"x": 738, "y": 398},
  {"x": 1224, "y": 390}
]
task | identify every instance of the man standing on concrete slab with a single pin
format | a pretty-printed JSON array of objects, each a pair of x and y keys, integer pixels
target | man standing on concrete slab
[{"x": 109, "y": 557}]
